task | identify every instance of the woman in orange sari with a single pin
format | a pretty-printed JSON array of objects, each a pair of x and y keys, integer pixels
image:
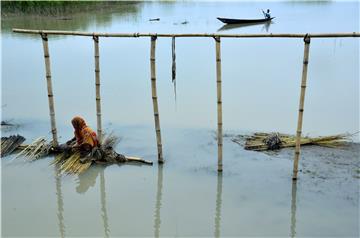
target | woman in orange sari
[{"x": 85, "y": 137}]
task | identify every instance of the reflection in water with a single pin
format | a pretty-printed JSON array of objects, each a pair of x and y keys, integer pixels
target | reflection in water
[
  {"x": 103, "y": 203},
  {"x": 293, "y": 210},
  {"x": 266, "y": 26},
  {"x": 218, "y": 205},
  {"x": 88, "y": 179},
  {"x": 60, "y": 203},
  {"x": 157, "y": 219}
]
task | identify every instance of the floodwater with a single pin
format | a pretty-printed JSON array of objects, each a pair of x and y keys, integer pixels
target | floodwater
[{"x": 186, "y": 197}]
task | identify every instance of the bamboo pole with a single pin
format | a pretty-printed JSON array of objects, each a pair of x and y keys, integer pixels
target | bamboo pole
[
  {"x": 49, "y": 89},
  {"x": 97, "y": 86},
  {"x": 100, "y": 34},
  {"x": 154, "y": 99},
  {"x": 219, "y": 104},
  {"x": 301, "y": 105}
]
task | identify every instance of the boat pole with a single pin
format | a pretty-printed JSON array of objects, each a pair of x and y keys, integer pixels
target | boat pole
[
  {"x": 219, "y": 104},
  {"x": 301, "y": 104},
  {"x": 154, "y": 98},
  {"x": 97, "y": 87},
  {"x": 49, "y": 88}
]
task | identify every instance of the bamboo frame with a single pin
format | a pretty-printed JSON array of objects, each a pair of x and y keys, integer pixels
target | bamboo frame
[
  {"x": 49, "y": 89},
  {"x": 219, "y": 104},
  {"x": 154, "y": 98},
  {"x": 286, "y": 35},
  {"x": 97, "y": 87},
  {"x": 301, "y": 105}
]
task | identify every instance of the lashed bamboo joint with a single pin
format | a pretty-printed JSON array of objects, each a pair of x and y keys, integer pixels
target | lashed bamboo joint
[{"x": 154, "y": 98}]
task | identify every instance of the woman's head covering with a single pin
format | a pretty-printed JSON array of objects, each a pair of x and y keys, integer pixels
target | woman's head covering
[{"x": 78, "y": 123}]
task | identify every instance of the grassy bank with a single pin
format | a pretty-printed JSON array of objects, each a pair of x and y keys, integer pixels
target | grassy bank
[{"x": 56, "y": 8}]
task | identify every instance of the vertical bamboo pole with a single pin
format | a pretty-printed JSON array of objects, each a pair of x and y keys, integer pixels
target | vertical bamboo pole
[
  {"x": 219, "y": 104},
  {"x": 97, "y": 86},
  {"x": 154, "y": 98},
  {"x": 49, "y": 88},
  {"x": 301, "y": 105}
]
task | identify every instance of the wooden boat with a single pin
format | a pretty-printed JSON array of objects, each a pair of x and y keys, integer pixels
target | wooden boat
[{"x": 243, "y": 21}]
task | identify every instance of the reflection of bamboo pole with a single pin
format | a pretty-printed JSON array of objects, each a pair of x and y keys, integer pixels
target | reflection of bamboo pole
[
  {"x": 60, "y": 202},
  {"x": 154, "y": 98},
  {"x": 157, "y": 218},
  {"x": 301, "y": 105},
  {"x": 219, "y": 104},
  {"x": 49, "y": 88},
  {"x": 218, "y": 205},
  {"x": 293, "y": 210},
  {"x": 271, "y": 35},
  {"x": 103, "y": 204},
  {"x": 97, "y": 85}
]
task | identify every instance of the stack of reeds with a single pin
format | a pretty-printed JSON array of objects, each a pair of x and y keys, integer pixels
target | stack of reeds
[
  {"x": 11, "y": 143},
  {"x": 272, "y": 141},
  {"x": 71, "y": 164},
  {"x": 36, "y": 150}
]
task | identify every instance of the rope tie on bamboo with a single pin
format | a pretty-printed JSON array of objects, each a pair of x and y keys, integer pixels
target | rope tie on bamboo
[
  {"x": 216, "y": 38},
  {"x": 154, "y": 37},
  {"x": 44, "y": 36},
  {"x": 136, "y": 34},
  {"x": 307, "y": 38},
  {"x": 95, "y": 38}
]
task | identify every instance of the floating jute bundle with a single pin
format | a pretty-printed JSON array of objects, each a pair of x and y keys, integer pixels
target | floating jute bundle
[
  {"x": 173, "y": 67},
  {"x": 274, "y": 141},
  {"x": 11, "y": 143}
]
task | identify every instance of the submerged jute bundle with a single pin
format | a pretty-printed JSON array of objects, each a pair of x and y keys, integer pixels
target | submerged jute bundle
[{"x": 273, "y": 141}]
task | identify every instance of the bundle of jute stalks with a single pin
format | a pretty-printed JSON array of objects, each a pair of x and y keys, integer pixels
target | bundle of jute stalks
[
  {"x": 274, "y": 141},
  {"x": 68, "y": 159}
]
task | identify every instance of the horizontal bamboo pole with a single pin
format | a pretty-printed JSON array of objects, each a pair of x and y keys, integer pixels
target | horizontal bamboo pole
[{"x": 99, "y": 34}]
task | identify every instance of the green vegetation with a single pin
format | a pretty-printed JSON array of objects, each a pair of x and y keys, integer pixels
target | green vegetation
[{"x": 55, "y": 8}]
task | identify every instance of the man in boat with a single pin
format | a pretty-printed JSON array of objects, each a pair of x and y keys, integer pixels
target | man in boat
[{"x": 266, "y": 14}]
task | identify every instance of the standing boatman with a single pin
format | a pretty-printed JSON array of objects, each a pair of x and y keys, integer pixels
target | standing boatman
[{"x": 266, "y": 14}]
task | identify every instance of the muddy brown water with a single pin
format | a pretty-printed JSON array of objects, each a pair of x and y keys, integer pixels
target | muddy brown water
[{"x": 186, "y": 197}]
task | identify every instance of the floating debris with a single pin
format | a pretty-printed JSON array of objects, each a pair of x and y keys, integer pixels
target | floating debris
[
  {"x": 275, "y": 141},
  {"x": 11, "y": 143}
]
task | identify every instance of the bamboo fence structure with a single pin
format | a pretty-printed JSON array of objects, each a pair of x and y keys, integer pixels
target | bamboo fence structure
[
  {"x": 301, "y": 105},
  {"x": 219, "y": 103},
  {"x": 154, "y": 98},
  {"x": 49, "y": 88},
  {"x": 97, "y": 86},
  {"x": 154, "y": 36}
]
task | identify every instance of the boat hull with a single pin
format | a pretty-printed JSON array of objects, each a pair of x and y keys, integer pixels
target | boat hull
[{"x": 243, "y": 21}]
